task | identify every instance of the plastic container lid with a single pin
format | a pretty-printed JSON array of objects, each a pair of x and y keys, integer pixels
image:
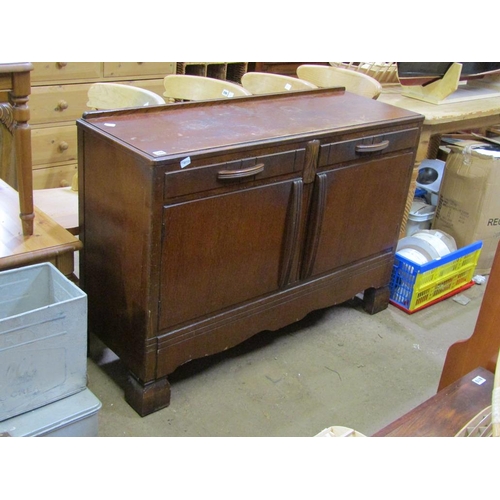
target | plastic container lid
[{"x": 421, "y": 211}]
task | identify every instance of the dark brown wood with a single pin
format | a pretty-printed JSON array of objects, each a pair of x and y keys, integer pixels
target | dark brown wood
[
  {"x": 281, "y": 68},
  {"x": 181, "y": 262},
  {"x": 147, "y": 398},
  {"x": 481, "y": 349},
  {"x": 376, "y": 299},
  {"x": 446, "y": 413}
]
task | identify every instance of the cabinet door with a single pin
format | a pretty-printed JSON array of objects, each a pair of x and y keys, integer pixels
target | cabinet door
[
  {"x": 224, "y": 250},
  {"x": 356, "y": 213}
]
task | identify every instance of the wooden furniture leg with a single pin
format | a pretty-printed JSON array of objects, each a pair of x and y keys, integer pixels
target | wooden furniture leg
[
  {"x": 147, "y": 398},
  {"x": 22, "y": 139},
  {"x": 376, "y": 299},
  {"x": 481, "y": 349},
  {"x": 19, "y": 89}
]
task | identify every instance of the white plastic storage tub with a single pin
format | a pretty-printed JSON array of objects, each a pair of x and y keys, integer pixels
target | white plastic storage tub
[
  {"x": 73, "y": 416},
  {"x": 43, "y": 338}
]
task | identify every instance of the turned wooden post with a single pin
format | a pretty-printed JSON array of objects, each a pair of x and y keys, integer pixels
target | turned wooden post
[{"x": 21, "y": 88}]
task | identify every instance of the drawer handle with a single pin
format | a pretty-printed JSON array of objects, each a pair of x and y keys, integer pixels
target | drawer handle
[
  {"x": 371, "y": 148},
  {"x": 63, "y": 146},
  {"x": 238, "y": 174}
]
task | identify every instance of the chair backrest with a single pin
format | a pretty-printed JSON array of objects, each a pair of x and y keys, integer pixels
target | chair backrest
[
  {"x": 118, "y": 95},
  {"x": 272, "y": 83},
  {"x": 328, "y": 76},
  {"x": 200, "y": 88}
]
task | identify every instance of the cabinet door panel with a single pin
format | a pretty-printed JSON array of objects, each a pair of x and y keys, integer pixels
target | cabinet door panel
[
  {"x": 357, "y": 212},
  {"x": 224, "y": 250}
]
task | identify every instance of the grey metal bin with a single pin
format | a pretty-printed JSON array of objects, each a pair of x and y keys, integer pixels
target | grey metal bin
[{"x": 43, "y": 338}]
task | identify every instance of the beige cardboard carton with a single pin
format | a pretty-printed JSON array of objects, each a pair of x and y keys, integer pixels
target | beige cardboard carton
[{"x": 469, "y": 200}]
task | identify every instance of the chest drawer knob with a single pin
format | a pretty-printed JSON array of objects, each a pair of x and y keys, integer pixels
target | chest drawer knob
[
  {"x": 372, "y": 148},
  {"x": 243, "y": 172},
  {"x": 63, "y": 146},
  {"x": 61, "y": 105},
  {"x": 61, "y": 64}
]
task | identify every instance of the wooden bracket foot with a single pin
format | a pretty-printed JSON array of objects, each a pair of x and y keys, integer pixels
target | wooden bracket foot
[
  {"x": 147, "y": 398},
  {"x": 376, "y": 299}
]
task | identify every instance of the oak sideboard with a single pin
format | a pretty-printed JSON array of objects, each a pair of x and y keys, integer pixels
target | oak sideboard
[{"x": 204, "y": 223}]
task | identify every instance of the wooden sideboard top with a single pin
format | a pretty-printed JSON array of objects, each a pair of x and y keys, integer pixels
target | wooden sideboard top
[{"x": 175, "y": 129}]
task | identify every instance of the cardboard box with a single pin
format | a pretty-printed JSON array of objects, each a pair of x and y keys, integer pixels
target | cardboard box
[
  {"x": 469, "y": 200},
  {"x": 43, "y": 338}
]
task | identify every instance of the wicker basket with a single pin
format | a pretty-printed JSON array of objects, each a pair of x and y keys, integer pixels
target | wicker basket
[{"x": 383, "y": 72}]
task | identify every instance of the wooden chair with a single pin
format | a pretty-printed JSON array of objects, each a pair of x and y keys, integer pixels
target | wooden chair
[
  {"x": 61, "y": 204},
  {"x": 328, "y": 76},
  {"x": 272, "y": 83},
  {"x": 118, "y": 95},
  {"x": 200, "y": 88}
]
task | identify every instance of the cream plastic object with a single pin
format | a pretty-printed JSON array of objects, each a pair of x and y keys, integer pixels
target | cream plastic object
[{"x": 339, "y": 431}]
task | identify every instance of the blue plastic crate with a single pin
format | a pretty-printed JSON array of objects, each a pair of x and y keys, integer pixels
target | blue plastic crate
[{"x": 415, "y": 286}]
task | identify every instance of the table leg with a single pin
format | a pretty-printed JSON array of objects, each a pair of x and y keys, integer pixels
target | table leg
[{"x": 19, "y": 96}]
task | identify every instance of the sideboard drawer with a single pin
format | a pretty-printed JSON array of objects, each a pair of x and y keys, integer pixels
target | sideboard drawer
[
  {"x": 134, "y": 69},
  {"x": 364, "y": 147},
  {"x": 63, "y": 71},
  {"x": 54, "y": 145},
  {"x": 219, "y": 175}
]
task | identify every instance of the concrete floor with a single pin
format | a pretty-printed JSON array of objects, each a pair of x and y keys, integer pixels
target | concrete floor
[{"x": 338, "y": 366}]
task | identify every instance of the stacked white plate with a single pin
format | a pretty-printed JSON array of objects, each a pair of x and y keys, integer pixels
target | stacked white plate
[{"x": 426, "y": 245}]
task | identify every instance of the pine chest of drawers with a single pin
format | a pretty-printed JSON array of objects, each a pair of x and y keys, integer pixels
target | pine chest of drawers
[
  {"x": 59, "y": 97},
  {"x": 206, "y": 223}
]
